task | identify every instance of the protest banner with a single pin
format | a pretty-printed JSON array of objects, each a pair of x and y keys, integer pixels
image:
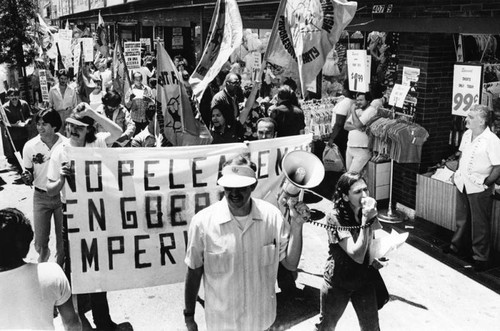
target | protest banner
[
  {"x": 303, "y": 35},
  {"x": 467, "y": 85},
  {"x": 44, "y": 88},
  {"x": 129, "y": 211},
  {"x": 225, "y": 35},
  {"x": 132, "y": 53}
]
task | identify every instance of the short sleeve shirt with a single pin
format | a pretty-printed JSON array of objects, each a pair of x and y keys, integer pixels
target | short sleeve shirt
[
  {"x": 358, "y": 138},
  {"x": 29, "y": 294},
  {"x": 36, "y": 156},
  {"x": 477, "y": 160},
  {"x": 240, "y": 266}
]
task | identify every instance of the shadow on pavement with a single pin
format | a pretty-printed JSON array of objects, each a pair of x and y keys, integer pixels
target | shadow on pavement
[
  {"x": 393, "y": 297},
  {"x": 292, "y": 311}
]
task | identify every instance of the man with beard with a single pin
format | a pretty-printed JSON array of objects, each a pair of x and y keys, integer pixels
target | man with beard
[
  {"x": 62, "y": 97},
  {"x": 236, "y": 245}
]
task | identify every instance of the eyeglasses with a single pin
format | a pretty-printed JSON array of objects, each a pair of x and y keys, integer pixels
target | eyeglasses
[{"x": 236, "y": 83}]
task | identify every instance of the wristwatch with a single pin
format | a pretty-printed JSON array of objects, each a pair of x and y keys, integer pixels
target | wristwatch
[{"x": 188, "y": 314}]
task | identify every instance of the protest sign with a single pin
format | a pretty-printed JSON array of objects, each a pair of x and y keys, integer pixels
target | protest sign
[
  {"x": 88, "y": 49},
  {"x": 129, "y": 211},
  {"x": 358, "y": 70},
  {"x": 466, "y": 88},
  {"x": 43, "y": 85},
  {"x": 132, "y": 53}
]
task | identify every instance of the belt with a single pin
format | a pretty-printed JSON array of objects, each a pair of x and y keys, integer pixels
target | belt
[{"x": 40, "y": 190}]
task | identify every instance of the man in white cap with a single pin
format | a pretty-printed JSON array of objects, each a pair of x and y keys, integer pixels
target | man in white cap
[{"x": 236, "y": 245}]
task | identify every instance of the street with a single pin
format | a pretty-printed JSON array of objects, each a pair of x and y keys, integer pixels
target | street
[{"x": 425, "y": 294}]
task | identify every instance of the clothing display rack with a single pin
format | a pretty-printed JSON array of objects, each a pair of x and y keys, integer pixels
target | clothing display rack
[
  {"x": 318, "y": 116},
  {"x": 391, "y": 215}
]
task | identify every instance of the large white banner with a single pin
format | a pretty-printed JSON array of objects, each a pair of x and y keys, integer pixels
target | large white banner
[
  {"x": 305, "y": 32},
  {"x": 129, "y": 210}
]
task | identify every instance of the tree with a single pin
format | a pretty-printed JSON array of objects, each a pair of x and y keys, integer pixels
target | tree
[{"x": 17, "y": 43}]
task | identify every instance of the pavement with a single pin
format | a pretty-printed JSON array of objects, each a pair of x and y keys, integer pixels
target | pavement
[{"x": 428, "y": 290}]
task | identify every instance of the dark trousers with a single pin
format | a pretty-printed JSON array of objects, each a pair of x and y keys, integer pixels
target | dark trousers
[
  {"x": 98, "y": 301},
  {"x": 334, "y": 300},
  {"x": 473, "y": 224}
]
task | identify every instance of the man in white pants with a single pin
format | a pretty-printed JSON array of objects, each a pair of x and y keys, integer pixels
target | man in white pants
[{"x": 358, "y": 154}]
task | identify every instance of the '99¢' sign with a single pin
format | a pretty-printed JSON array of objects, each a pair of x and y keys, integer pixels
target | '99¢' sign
[{"x": 463, "y": 102}]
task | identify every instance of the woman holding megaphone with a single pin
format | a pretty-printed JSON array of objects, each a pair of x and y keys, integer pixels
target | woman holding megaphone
[{"x": 349, "y": 275}]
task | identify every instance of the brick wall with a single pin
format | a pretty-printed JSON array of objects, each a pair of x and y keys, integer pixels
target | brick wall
[{"x": 434, "y": 54}]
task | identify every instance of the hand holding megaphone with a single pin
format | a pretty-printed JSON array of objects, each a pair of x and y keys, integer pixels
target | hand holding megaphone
[
  {"x": 299, "y": 212},
  {"x": 368, "y": 209}
]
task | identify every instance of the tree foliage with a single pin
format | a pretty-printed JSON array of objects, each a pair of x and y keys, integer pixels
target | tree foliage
[{"x": 17, "y": 42}]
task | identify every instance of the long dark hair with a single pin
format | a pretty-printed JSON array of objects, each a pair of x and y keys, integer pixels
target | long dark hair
[
  {"x": 287, "y": 97},
  {"x": 345, "y": 212}
]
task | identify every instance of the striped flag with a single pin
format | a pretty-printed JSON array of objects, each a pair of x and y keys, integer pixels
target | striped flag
[
  {"x": 225, "y": 35},
  {"x": 304, "y": 33},
  {"x": 120, "y": 73},
  {"x": 102, "y": 36},
  {"x": 174, "y": 108}
]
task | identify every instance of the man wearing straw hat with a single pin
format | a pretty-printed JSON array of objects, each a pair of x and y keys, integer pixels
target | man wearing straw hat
[{"x": 237, "y": 244}]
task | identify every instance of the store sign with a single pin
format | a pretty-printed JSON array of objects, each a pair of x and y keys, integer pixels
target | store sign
[
  {"x": 466, "y": 88},
  {"x": 381, "y": 9},
  {"x": 398, "y": 95},
  {"x": 132, "y": 53},
  {"x": 358, "y": 68}
]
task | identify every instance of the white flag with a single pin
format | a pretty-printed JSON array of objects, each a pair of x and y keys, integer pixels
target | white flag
[
  {"x": 225, "y": 35},
  {"x": 305, "y": 32}
]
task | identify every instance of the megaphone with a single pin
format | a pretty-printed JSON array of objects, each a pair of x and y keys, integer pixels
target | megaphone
[{"x": 303, "y": 170}]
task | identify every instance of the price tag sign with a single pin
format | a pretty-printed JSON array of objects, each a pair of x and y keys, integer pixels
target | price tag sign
[
  {"x": 398, "y": 95},
  {"x": 466, "y": 88},
  {"x": 358, "y": 68}
]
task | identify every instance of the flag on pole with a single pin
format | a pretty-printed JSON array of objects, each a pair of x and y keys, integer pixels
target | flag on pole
[
  {"x": 225, "y": 35},
  {"x": 45, "y": 33},
  {"x": 120, "y": 73},
  {"x": 102, "y": 36},
  {"x": 303, "y": 35},
  {"x": 174, "y": 107},
  {"x": 83, "y": 79},
  {"x": 3, "y": 116},
  {"x": 60, "y": 62}
]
